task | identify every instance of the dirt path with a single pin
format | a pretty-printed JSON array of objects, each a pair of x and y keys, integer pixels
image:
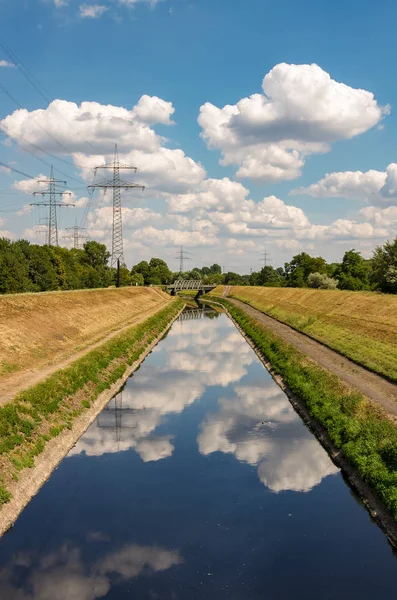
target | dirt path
[
  {"x": 17, "y": 382},
  {"x": 373, "y": 386}
]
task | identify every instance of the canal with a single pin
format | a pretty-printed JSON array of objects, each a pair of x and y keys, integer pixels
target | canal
[{"x": 197, "y": 481}]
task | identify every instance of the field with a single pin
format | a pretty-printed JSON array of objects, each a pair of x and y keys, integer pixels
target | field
[
  {"x": 37, "y": 330},
  {"x": 360, "y": 325}
]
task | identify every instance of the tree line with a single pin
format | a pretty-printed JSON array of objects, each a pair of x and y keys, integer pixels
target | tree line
[{"x": 26, "y": 267}]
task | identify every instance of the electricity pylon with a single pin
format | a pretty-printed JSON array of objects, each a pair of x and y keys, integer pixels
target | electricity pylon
[
  {"x": 116, "y": 184},
  {"x": 182, "y": 255},
  {"x": 52, "y": 192},
  {"x": 76, "y": 236},
  {"x": 265, "y": 256}
]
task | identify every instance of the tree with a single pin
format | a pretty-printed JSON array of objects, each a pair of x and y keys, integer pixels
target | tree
[
  {"x": 137, "y": 278},
  {"x": 353, "y": 272},
  {"x": 216, "y": 269},
  {"x": 321, "y": 281},
  {"x": 14, "y": 274},
  {"x": 159, "y": 271},
  {"x": 96, "y": 255},
  {"x": 298, "y": 270},
  {"x": 144, "y": 269},
  {"x": 195, "y": 274},
  {"x": 268, "y": 276},
  {"x": 41, "y": 269},
  {"x": 125, "y": 276},
  {"x": 383, "y": 275},
  {"x": 231, "y": 278}
]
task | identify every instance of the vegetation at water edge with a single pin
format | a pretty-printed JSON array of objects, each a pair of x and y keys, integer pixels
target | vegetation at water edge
[
  {"x": 360, "y": 430},
  {"x": 43, "y": 411},
  {"x": 360, "y": 325}
]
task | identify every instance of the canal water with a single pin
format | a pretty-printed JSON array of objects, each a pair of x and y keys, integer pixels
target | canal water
[{"x": 197, "y": 481}]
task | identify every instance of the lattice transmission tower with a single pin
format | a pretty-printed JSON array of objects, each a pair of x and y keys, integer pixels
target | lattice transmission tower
[
  {"x": 52, "y": 191},
  {"x": 116, "y": 184},
  {"x": 265, "y": 257},
  {"x": 76, "y": 236},
  {"x": 182, "y": 255}
]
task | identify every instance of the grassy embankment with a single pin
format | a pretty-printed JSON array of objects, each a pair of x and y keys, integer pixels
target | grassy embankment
[
  {"x": 187, "y": 293},
  {"x": 41, "y": 329},
  {"x": 42, "y": 412},
  {"x": 360, "y": 325},
  {"x": 358, "y": 428}
]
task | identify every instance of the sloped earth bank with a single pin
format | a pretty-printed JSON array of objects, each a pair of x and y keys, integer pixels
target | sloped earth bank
[
  {"x": 42, "y": 333},
  {"x": 362, "y": 326},
  {"x": 197, "y": 481},
  {"x": 61, "y": 408},
  {"x": 375, "y": 387}
]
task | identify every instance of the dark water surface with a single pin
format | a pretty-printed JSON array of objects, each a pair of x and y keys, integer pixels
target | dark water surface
[{"x": 197, "y": 481}]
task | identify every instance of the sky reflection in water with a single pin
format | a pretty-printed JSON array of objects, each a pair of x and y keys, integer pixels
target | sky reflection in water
[{"x": 197, "y": 481}]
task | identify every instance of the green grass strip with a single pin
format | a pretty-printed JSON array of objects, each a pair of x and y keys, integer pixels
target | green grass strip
[
  {"x": 379, "y": 356},
  {"x": 357, "y": 427},
  {"x": 51, "y": 404}
]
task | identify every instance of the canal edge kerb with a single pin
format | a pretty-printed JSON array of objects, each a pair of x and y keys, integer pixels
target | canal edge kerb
[
  {"x": 33, "y": 479},
  {"x": 375, "y": 507}
]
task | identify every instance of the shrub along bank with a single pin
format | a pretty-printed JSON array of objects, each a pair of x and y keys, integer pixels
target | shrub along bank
[
  {"x": 44, "y": 411},
  {"x": 359, "y": 429}
]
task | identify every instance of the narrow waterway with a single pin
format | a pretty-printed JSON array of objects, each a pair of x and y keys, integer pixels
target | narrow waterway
[{"x": 198, "y": 481}]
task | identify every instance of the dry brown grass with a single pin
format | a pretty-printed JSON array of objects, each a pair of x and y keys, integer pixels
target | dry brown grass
[
  {"x": 360, "y": 325},
  {"x": 41, "y": 329}
]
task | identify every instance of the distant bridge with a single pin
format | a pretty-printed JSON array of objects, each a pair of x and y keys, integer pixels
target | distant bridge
[
  {"x": 193, "y": 314},
  {"x": 190, "y": 284}
]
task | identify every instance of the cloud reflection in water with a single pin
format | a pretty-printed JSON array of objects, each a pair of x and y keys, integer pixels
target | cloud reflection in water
[
  {"x": 260, "y": 427},
  {"x": 63, "y": 574}
]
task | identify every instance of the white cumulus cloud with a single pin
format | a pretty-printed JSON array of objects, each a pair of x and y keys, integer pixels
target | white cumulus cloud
[
  {"x": 374, "y": 187},
  {"x": 92, "y": 11},
  {"x": 301, "y": 112}
]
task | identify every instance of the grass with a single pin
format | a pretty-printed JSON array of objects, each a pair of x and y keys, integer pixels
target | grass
[
  {"x": 190, "y": 293},
  {"x": 36, "y": 329},
  {"x": 45, "y": 410},
  {"x": 359, "y": 429},
  {"x": 360, "y": 325}
]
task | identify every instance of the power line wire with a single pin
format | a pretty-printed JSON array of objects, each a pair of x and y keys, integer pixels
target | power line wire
[
  {"x": 35, "y": 83},
  {"x": 7, "y": 93},
  {"x": 26, "y": 73},
  {"x": 17, "y": 171}
]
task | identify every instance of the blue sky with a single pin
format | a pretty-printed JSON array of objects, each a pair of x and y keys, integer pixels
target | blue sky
[{"x": 195, "y": 54}]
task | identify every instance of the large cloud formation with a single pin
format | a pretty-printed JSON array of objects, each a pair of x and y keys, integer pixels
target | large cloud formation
[
  {"x": 272, "y": 132},
  {"x": 301, "y": 112}
]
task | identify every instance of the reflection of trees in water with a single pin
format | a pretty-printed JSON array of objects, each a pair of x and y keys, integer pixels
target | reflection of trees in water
[{"x": 194, "y": 314}]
